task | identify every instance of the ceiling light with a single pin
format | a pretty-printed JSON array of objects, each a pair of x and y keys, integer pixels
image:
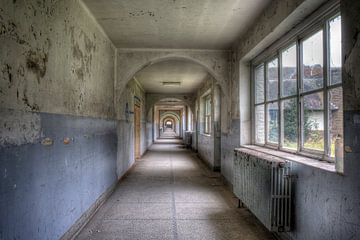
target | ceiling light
[{"x": 171, "y": 83}]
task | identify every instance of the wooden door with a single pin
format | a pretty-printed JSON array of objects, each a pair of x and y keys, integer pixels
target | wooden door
[{"x": 137, "y": 131}]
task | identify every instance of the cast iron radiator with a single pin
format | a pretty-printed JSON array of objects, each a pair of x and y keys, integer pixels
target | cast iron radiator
[{"x": 263, "y": 184}]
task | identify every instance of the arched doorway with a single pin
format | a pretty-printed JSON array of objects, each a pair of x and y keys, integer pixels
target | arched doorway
[{"x": 178, "y": 84}]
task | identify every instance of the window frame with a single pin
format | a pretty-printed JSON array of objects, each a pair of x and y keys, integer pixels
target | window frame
[
  {"x": 302, "y": 33},
  {"x": 207, "y": 115}
]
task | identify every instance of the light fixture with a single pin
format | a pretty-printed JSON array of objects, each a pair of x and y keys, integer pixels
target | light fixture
[{"x": 170, "y": 84}]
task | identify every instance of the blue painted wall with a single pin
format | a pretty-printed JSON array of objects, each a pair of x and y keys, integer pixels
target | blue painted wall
[
  {"x": 45, "y": 189},
  {"x": 327, "y": 204}
]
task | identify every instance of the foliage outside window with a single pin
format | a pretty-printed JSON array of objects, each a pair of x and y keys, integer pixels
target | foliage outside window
[
  {"x": 207, "y": 114},
  {"x": 298, "y": 94}
]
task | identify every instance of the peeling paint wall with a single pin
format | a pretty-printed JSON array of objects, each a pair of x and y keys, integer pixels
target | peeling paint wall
[
  {"x": 19, "y": 127},
  {"x": 57, "y": 130},
  {"x": 278, "y": 18},
  {"x": 54, "y": 58}
]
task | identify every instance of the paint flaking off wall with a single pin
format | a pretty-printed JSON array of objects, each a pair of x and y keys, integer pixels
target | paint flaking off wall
[{"x": 19, "y": 127}]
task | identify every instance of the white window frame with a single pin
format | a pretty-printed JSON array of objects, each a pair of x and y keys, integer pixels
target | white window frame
[
  {"x": 315, "y": 23},
  {"x": 207, "y": 114}
]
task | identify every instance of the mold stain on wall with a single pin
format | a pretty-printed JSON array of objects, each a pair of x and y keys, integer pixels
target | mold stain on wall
[
  {"x": 38, "y": 61},
  {"x": 83, "y": 49}
]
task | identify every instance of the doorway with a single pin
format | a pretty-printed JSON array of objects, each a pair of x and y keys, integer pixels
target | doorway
[{"x": 137, "y": 116}]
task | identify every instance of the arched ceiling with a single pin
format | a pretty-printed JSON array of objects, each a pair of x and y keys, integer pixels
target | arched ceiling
[
  {"x": 173, "y": 115},
  {"x": 169, "y": 118},
  {"x": 189, "y": 75},
  {"x": 186, "y": 24}
]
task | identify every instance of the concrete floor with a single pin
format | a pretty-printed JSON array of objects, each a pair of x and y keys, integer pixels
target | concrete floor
[
  {"x": 170, "y": 194},
  {"x": 169, "y": 133}
]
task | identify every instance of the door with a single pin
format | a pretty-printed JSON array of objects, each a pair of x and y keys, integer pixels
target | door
[{"x": 137, "y": 131}]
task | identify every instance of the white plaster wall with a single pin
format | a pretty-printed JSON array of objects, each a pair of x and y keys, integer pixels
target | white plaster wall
[{"x": 55, "y": 58}]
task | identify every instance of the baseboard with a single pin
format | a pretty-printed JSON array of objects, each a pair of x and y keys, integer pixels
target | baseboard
[
  {"x": 282, "y": 236},
  {"x": 227, "y": 183},
  {"x": 127, "y": 172},
  {"x": 216, "y": 169},
  {"x": 76, "y": 228},
  {"x": 208, "y": 165},
  {"x": 147, "y": 149}
]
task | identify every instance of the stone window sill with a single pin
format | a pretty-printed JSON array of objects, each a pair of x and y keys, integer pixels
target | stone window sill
[
  {"x": 206, "y": 135},
  {"x": 272, "y": 154}
]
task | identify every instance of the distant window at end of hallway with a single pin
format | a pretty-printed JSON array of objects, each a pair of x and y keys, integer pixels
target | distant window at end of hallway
[
  {"x": 207, "y": 114},
  {"x": 298, "y": 93}
]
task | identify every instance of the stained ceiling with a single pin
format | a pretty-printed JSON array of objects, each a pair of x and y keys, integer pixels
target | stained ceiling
[
  {"x": 185, "y": 24},
  {"x": 189, "y": 75}
]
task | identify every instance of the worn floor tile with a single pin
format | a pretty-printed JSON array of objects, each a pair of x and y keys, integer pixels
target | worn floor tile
[
  {"x": 129, "y": 230},
  {"x": 170, "y": 194}
]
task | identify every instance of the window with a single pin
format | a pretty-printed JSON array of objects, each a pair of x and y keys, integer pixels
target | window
[
  {"x": 207, "y": 114},
  {"x": 298, "y": 93}
]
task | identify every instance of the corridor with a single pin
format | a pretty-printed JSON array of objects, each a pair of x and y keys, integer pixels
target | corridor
[
  {"x": 170, "y": 194},
  {"x": 169, "y": 134},
  {"x": 155, "y": 119}
]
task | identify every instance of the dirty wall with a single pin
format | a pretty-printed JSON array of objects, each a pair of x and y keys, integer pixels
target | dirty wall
[
  {"x": 58, "y": 134},
  {"x": 326, "y": 205}
]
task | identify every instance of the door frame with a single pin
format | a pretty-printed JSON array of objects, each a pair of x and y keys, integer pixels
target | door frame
[{"x": 137, "y": 131}]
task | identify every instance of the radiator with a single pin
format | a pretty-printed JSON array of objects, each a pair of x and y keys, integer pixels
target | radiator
[
  {"x": 188, "y": 138},
  {"x": 263, "y": 184}
]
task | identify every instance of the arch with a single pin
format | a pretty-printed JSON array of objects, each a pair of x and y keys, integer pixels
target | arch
[
  {"x": 174, "y": 119},
  {"x": 176, "y": 57},
  {"x": 154, "y": 98},
  {"x": 166, "y": 118},
  {"x": 169, "y": 119},
  {"x": 169, "y": 113},
  {"x": 130, "y": 62}
]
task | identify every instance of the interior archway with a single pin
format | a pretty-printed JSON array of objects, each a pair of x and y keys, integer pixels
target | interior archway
[
  {"x": 175, "y": 87},
  {"x": 140, "y": 64}
]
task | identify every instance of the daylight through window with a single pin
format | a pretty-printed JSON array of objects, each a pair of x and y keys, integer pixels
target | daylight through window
[
  {"x": 207, "y": 113},
  {"x": 298, "y": 94}
]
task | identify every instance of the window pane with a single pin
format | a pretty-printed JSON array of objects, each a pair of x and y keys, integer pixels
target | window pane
[
  {"x": 335, "y": 50},
  {"x": 335, "y": 118},
  {"x": 313, "y": 62},
  {"x": 259, "y": 84},
  {"x": 207, "y": 124},
  {"x": 272, "y": 73},
  {"x": 208, "y": 105},
  {"x": 273, "y": 122},
  {"x": 289, "y": 123},
  {"x": 313, "y": 121},
  {"x": 288, "y": 71},
  {"x": 260, "y": 124}
]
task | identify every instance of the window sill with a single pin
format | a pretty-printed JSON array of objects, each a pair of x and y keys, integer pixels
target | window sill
[
  {"x": 205, "y": 134},
  {"x": 272, "y": 154}
]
